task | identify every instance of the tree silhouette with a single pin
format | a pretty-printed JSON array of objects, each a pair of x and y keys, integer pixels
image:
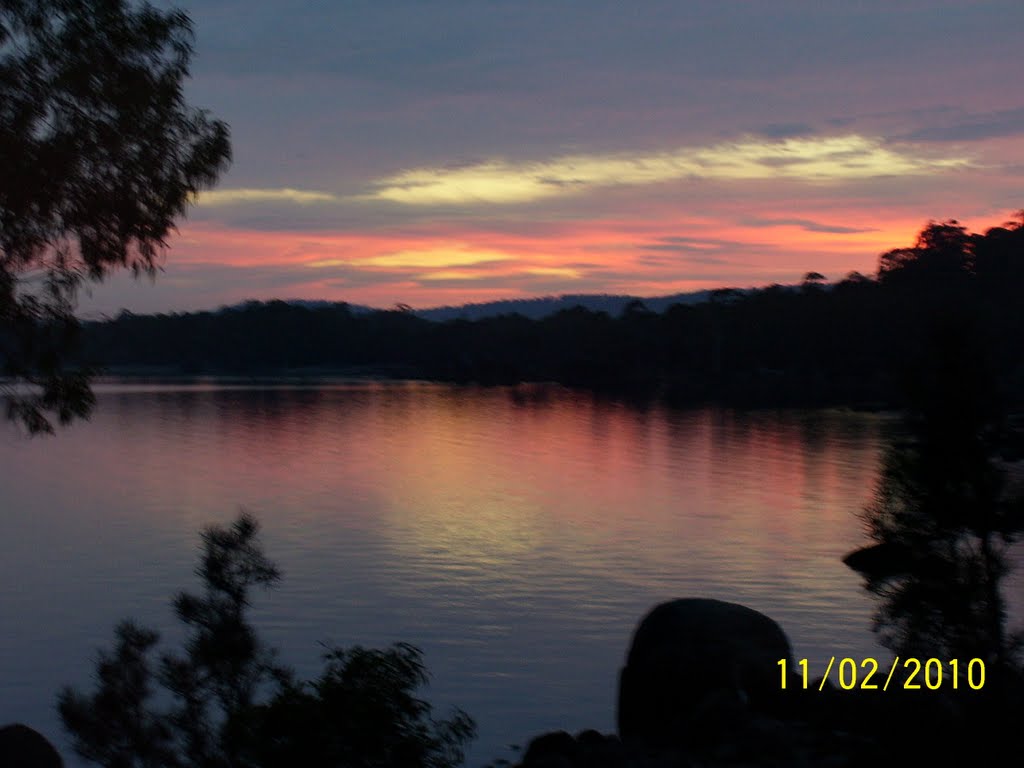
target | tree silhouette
[
  {"x": 227, "y": 703},
  {"x": 942, "y": 255},
  {"x": 100, "y": 156},
  {"x": 943, "y": 516}
]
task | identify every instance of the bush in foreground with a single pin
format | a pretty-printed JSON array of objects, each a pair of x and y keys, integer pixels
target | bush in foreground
[{"x": 227, "y": 703}]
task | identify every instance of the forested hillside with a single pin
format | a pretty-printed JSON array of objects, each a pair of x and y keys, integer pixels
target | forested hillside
[{"x": 850, "y": 342}]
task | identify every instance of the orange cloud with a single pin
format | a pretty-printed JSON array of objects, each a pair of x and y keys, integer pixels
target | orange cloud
[{"x": 665, "y": 251}]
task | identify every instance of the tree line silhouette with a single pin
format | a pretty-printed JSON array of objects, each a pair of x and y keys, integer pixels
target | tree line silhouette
[{"x": 851, "y": 342}]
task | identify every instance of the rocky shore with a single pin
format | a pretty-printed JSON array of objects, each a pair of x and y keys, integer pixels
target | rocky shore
[{"x": 702, "y": 688}]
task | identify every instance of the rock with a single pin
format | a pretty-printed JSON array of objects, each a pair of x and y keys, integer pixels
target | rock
[
  {"x": 717, "y": 716},
  {"x": 23, "y": 747},
  {"x": 551, "y": 749},
  {"x": 599, "y": 751},
  {"x": 880, "y": 561},
  {"x": 696, "y": 669},
  {"x": 589, "y": 749}
]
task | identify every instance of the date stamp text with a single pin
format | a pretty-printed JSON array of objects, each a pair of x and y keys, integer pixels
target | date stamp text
[{"x": 911, "y": 674}]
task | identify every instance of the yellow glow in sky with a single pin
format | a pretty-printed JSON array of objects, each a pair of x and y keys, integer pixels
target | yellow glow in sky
[
  {"x": 439, "y": 257},
  {"x": 568, "y": 272},
  {"x": 245, "y": 195},
  {"x": 450, "y": 274},
  {"x": 812, "y": 159},
  {"x": 453, "y": 256}
]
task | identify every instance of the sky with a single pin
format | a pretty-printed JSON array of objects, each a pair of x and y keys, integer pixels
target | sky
[{"x": 437, "y": 152}]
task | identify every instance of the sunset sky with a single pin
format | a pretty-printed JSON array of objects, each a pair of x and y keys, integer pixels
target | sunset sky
[{"x": 445, "y": 152}]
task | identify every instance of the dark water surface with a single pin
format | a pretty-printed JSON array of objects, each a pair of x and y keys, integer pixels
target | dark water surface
[{"x": 516, "y": 536}]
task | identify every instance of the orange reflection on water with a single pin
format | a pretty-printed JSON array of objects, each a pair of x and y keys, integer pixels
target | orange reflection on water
[{"x": 493, "y": 484}]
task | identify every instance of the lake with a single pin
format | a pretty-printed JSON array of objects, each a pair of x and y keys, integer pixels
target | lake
[{"x": 515, "y": 535}]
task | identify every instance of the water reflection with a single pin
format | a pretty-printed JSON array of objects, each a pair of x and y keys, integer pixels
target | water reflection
[{"x": 516, "y": 535}]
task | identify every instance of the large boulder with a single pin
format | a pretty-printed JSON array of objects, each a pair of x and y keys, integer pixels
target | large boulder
[
  {"x": 698, "y": 668},
  {"x": 23, "y": 747}
]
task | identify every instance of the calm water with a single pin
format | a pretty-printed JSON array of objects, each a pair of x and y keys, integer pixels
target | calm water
[{"x": 515, "y": 536}]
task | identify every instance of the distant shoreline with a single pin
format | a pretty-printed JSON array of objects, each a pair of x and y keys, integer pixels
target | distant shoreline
[{"x": 313, "y": 378}]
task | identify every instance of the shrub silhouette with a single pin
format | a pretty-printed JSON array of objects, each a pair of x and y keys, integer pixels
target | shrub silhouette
[{"x": 227, "y": 702}]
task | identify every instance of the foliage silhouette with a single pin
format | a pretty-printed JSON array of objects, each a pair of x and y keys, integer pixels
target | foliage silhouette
[
  {"x": 100, "y": 155},
  {"x": 819, "y": 344},
  {"x": 227, "y": 703},
  {"x": 362, "y": 711},
  {"x": 944, "y": 515},
  {"x": 942, "y": 253}
]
